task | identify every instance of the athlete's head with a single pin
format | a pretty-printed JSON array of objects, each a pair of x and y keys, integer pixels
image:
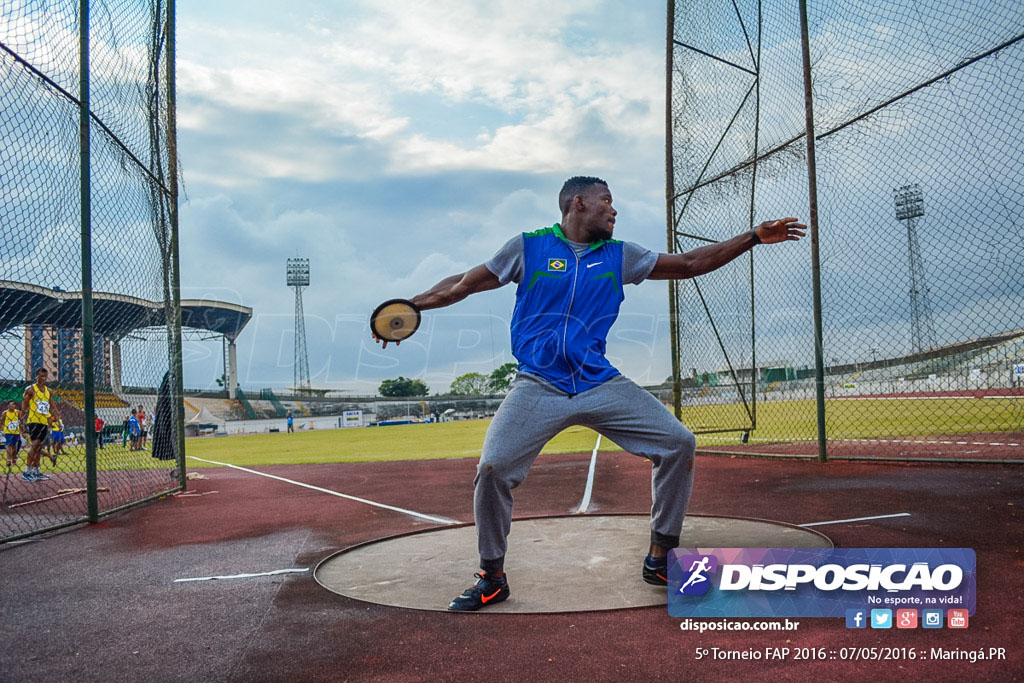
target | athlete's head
[
  {"x": 12, "y": 406},
  {"x": 587, "y": 201},
  {"x": 41, "y": 375}
]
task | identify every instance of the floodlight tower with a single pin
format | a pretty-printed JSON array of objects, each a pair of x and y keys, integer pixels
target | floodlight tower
[
  {"x": 298, "y": 277},
  {"x": 909, "y": 207}
]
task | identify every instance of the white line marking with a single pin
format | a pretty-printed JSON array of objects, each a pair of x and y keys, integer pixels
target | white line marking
[
  {"x": 439, "y": 520},
  {"x": 243, "y": 576},
  {"x": 856, "y": 519},
  {"x": 179, "y": 494},
  {"x": 585, "y": 503}
]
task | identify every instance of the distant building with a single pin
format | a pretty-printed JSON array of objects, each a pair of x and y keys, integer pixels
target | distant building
[{"x": 59, "y": 350}]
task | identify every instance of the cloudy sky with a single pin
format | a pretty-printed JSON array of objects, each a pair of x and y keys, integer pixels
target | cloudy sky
[{"x": 394, "y": 144}]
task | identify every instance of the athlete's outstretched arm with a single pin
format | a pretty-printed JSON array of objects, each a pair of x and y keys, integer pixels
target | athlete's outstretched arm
[
  {"x": 706, "y": 259},
  {"x": 454, "y": 289}
]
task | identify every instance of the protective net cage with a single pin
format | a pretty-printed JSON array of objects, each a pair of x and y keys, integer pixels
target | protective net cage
[
  {"x": 918, "y": 125},
  {"x": 46, "y": 310}
]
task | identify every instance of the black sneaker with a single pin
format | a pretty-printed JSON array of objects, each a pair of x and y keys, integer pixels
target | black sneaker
[
  {"x": 655, "y": 574},
  {"x": 484, "y": 592}
]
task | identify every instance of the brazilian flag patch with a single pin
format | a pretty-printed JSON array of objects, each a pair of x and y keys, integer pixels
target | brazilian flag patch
[{"x": 556, "y": 265}]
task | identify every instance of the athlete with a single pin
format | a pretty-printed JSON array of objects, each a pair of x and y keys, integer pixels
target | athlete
[
  {"x": 98, "y": 426},
  {"x": 570, "y": 280},
  {"x": 56, "y": 438},
  {"x": 12, "y": 433},
  {"x": 143, "y": 427},
  {"x": 37, "y": 407},
  {"x": 134, "y": 431}
]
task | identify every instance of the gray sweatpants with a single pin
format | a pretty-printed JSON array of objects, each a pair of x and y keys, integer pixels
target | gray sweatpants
[{"x": 534, "y": 411}]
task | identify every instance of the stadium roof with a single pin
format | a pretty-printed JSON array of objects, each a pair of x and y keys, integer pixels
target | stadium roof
[{"x": 114, "y": 315}]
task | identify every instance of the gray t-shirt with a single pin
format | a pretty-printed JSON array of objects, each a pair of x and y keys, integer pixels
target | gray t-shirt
[{"x": 507, "y": 263}]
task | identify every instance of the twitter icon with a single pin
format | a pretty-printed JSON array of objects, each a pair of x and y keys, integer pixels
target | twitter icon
[{"x": 881, "y": 618}]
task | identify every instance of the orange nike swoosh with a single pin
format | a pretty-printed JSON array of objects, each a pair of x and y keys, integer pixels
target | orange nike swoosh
[{"x": 487, "y": 598}]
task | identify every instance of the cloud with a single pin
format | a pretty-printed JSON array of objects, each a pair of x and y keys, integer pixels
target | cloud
[
  {"x": 345, "y": 77},
  {"x": 395, "y": 145}
]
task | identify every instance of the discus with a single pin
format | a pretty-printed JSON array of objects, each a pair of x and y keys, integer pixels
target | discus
[{"x": 395, "y": 320}]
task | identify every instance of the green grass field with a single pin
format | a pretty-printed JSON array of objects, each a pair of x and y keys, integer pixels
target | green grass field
[
  {"x": 399, "y": 442},
  {"x": 876, "y": 418},
  {"x": 779, "y": 421}
]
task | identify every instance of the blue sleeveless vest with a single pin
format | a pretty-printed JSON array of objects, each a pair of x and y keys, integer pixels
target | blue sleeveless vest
[{"x": 565, "y": 306}]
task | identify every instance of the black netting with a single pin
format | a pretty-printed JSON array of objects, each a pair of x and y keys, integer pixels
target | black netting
[
  {"x": 41, "y": 278},
  {"x": 917, "y": 111}
]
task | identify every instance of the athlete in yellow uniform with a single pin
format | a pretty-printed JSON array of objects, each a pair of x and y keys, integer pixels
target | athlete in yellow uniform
[
  {"x": 12, "y": 433},
  {"x": 36, "y": 410},
  {"x": 56, "y": 437}
]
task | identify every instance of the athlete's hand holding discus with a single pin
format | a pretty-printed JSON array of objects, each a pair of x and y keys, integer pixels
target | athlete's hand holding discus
[{"x": 397, "y": 319}]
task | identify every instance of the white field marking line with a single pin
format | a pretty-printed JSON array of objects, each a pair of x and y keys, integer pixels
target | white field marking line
[
  {"x": 856, "y": 519},
  {"x": 585, "y": 503},
  {"x": 244, "y": 576},
  {"x": 439, "y": 520}
]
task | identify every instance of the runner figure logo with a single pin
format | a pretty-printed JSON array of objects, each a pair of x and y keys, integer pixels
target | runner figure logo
[{"x": 695, "y": 581}]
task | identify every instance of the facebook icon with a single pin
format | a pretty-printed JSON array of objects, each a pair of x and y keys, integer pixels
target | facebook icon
[{"x": 856, "y": 618}]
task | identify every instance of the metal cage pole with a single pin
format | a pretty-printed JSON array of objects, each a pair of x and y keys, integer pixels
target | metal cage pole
[
  {"x": 85, "y": 202},
  {"x": 178, "y": 410},
  {"x": 670, "y": 190},
  {"x": 812, "y": 191},
  {"x": 753, "y": 206}
]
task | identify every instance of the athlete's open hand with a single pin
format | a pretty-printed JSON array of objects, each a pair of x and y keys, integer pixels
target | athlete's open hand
[{"x": 771, "y": 232}]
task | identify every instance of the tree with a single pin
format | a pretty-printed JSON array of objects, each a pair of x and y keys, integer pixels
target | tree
[
  {"x": 470, "y": 384},
  {"x": 502, "y": 377},
  {"x": 403, "y": 386}
]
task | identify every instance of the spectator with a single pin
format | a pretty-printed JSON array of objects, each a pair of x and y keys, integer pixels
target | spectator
[
  {"x": 291, "y": 422},
  {"x": 134, "y": 431},
  {"x": 143, "y": 427},
  {"x": 100, "y": 424},
  {"x": 12, "y": 434}
]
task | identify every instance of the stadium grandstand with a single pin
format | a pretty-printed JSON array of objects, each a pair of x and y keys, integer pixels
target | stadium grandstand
[{"x": 49, "y": 321}]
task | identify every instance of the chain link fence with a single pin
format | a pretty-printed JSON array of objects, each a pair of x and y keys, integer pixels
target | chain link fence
[
  {"x": 88, "y": 288},
  {"x": 917, "y": 120}
]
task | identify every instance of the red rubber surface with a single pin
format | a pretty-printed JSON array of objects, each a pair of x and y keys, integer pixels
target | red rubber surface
[{"x": 100, "y": 603}]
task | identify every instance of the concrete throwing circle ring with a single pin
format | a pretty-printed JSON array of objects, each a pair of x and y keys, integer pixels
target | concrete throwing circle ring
[{"x": 426, "y": 569}]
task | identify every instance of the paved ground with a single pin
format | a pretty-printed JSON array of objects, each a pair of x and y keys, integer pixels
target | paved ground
[{"x": 99, "y": 603}]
